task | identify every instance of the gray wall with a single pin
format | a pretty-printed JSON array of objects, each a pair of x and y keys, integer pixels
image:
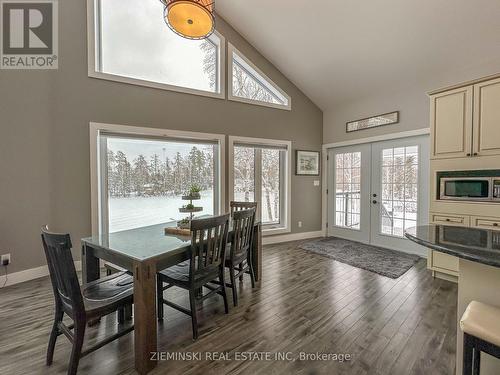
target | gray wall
[
  {"x": 44, "y": 142},
  {"x": 410, "y": 99}
]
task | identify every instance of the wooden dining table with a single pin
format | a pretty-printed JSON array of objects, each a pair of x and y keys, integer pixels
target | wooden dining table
[{"x": 144, "y": 251}]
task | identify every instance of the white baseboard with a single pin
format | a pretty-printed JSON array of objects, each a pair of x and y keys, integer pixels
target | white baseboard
[
  {"x": 35, "y": 273},
  {"x": 291, "y": 237},
  {"x": 30, "y": 274}
]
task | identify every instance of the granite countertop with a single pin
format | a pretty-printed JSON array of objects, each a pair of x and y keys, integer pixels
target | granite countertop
[{"x": 473, "y": 244}]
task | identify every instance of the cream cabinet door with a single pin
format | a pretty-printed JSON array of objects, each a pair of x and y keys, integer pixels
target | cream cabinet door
[
  {"x": 487, "y": 118},
  {"x": 451, "y": 123}
]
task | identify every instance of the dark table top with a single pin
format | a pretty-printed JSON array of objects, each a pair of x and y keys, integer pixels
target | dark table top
[
  {"x": 474, "y": 244},
  {"x": 144, "y": 242}
]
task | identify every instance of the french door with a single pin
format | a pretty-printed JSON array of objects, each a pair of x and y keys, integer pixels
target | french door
[{"x": 376, "y": 191}]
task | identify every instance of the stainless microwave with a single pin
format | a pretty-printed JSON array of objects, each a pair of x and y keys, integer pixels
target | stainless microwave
[{"x": 470, "y": 188}]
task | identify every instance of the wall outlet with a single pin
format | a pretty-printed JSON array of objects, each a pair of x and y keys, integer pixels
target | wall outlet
[
  {"x": 5, "y": 259},
  {"x": 299, "y": 224}
]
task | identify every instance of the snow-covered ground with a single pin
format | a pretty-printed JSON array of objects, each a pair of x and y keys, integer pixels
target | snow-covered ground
[{"x": 135, "y": 212}]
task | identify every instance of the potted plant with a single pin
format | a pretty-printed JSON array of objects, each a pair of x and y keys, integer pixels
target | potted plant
[
  {"x": 184, "y": 223},
  {"x": 194, "y": 191}
]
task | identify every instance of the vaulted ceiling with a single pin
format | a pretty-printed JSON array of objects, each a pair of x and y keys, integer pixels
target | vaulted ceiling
[{"x": 339, "y": 50}]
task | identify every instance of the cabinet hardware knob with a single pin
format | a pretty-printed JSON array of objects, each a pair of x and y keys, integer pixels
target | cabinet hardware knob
[
  {"x": 475, "y": 153},
  {"x": 374, "y": 201},
  {"x": 495, "y": 224},
  {"x": 468, "y": 154},
  {"x": 447, "y": 219}
]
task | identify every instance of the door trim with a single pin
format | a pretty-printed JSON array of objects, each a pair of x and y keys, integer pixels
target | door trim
[
  {"x": 324, "y": 163},
  {"x": 324, "y": 166},
  {"x": 378, "y": 138}
]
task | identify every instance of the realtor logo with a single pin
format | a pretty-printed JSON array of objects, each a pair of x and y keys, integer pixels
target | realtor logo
[{"x": 29, "y": 34}]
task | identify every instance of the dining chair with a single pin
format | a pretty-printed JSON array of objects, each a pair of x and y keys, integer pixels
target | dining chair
[
  {"x": 81, "y": 304},
  {"x": 205, "y": 265},
  {"x": 238, "y": 206},
  {"x": 238, "y": 259}
]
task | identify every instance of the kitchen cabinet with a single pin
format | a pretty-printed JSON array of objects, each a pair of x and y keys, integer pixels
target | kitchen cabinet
[{"x": 465, "y": 121}]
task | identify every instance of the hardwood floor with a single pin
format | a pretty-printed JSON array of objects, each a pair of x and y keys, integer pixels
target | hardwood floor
[{"x": 306, "y": 303}]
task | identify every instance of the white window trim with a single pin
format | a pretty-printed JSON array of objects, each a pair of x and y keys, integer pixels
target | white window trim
[
  {"x": 288, "y": 180},
  {"x": 95, "y": 165},
  {"x": 92, "y": 30},
  {"x": 232, "y": 49}
]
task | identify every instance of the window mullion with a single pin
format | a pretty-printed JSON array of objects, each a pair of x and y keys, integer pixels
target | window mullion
[
  {"x": 282, "y": 189},
  {"x": 103, "y": 185},
  {"x": 258, "y": 180}
]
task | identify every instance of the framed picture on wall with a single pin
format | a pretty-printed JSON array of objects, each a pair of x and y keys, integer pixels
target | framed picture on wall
[
  {"x": 373, "y": 122},
  {"x": 306, "y": 163}
]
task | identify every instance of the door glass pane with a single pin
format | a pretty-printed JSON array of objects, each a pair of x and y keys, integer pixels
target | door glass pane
[
  {"x": 398, "y": 208},
  {"x": 244, "y": 174},
  {"x": 270, "y": 186},
  {"x": 348, "y": 190}
]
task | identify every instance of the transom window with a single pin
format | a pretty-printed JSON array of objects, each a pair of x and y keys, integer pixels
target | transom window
[
  {"x": 248, "y": 84},
  {"x": 134, "y": 45},
  {"x": 260, "y": 173}
]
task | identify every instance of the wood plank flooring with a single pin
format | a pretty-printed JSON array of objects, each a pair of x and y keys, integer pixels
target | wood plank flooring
[{"x": 306, "y": 303}]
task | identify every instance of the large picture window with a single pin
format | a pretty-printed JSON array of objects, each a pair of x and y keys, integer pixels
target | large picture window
[
  {"x": 260, "y": 172},
  {"x": 131, "y": 43},
  {"x": 142, "y": 178}
]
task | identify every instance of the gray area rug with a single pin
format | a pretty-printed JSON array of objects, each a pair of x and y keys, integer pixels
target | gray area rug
[{"x": 376, "y": 259}]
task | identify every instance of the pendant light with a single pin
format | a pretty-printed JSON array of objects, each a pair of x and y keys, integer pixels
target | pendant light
[{"x": 191, "y": 19}]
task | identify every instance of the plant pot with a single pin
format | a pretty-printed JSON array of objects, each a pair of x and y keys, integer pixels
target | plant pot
[
  {"x": 191, "y": 197},
  {"x": 190, "y": 210},
  {"x": 183, "y": 225}
]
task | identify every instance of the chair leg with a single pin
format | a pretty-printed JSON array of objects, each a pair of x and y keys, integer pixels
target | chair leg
[
  {"x": 159, "y": 297},
  {"x": 223, "y": 291},
  {"x": 58, "y": 316},
  {"x": 477, "y": 362},
  {"x": 252, "y": 273},
  {"x": 233, "y": 285},
  {"x": 76, "y": 351},
  {"x": 194, "y": 319},
  {"x": 128, "y": 312},
  {"x": 468, "y": 354}
]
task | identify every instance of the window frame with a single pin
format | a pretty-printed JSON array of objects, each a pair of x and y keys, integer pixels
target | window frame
[
  {"x": 93, "y": 43},
  {"x": 99, "y": 207},
  {"x": 285, "y": 176},
  {"x": 232, "y": 50}
]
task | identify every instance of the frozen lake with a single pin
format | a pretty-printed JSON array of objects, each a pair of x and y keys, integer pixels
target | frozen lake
[{"x": 134, "y": 212}]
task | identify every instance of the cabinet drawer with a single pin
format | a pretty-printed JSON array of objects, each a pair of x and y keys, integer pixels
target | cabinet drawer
[
  {"x": 444, "y": 261},
  {"x": 450, "y": 219},
  {"x": 486, "y": 222}
]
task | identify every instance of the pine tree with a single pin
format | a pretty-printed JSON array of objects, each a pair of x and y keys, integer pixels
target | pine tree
[{"x": 141, "y": 175}]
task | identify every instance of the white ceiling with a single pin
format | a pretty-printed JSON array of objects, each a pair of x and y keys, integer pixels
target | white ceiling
[{"x": 336, "y": 51}]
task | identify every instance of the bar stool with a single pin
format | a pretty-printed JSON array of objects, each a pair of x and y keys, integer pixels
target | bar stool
[{"x": 481, "y": 326}]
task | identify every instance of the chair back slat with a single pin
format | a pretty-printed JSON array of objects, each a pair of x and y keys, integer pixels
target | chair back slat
[
  {"x": 243, "y": 222},
  {"x": 239, "y": 206},
  {"x": 62, "y": 271},
  {"x": 208, "y": 245}
]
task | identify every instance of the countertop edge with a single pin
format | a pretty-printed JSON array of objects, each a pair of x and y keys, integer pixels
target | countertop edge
[{"x": 456, "y": 253}]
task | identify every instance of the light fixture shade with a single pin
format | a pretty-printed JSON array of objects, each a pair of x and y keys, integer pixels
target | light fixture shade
[{"x": 191, "y": 19}]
